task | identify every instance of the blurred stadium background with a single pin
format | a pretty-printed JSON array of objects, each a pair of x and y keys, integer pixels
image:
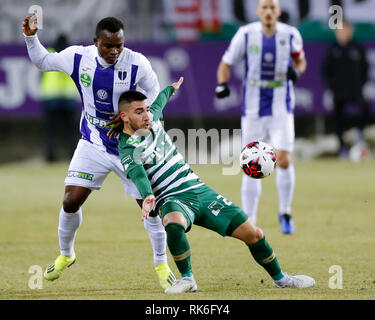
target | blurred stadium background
[
  {"x": 334, "y": 203},
  {"x": 180, "y": 37}
]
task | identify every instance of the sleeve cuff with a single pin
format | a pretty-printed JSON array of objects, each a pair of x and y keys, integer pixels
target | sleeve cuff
[
  {"x": 30, "y": 39},
  {"x": 298, "y": 54}
]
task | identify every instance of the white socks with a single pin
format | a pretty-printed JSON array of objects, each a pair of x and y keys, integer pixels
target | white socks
[
  {"x": 67, "y": 230},
  {"x": 70, "y": 222},
  {"x": 158, "y": 238},
  {"x": 285, "y": 181},
  {"x": 251, "y": 190}
]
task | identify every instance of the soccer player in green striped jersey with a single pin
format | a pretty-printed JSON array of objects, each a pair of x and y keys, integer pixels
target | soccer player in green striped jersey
[{"x": 168, "y": 186}]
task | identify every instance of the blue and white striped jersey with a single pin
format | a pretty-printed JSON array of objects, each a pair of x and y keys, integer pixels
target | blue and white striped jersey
[
  {"x": 266, "y": 91},
  {"x": 99, "y": 86}
]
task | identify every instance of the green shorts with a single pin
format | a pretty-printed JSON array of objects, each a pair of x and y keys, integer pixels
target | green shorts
[{"x": 204, "y": 207}]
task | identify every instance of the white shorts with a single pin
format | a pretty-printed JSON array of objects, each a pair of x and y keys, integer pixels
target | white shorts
[
  {"x": 90, "y": 166},
  {"x": 278, "y": 131}
]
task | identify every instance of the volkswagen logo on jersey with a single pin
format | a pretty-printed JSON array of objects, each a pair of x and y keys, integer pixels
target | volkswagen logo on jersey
[
  {"x": 268, "y": 57},
  {"x": 102, "y": 94},
  {"x": 121, "y": 75}
]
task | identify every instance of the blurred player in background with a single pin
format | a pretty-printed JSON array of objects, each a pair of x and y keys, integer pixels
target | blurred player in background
[
  {"x": 101, "y": 73},
  {"x": 58, "y": 96},
  {"x": 274, "y": 60},
  {"x": 345, "y": 72},
  {"x": 167, "y": 183}
]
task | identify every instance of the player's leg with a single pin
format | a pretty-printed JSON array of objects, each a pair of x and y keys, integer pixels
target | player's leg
[
  {"x": 264, "y": 255},
  {"x": 251, "y": 189},
  {"x": 70, "y": 219},
  {"x": 177, "y": 220},
  {"x": 154, "y": 228},
  {"x": 178, "y": 244},
  {"x": 87, "y": 171},
  {"x": 364, "y": 113},
  {"x": 156, "y": 232},
  {"x": 224, "y": 217},
  {"x": 282, "y": 139},
  {"x": 338, "y": 114},
  {"x": 260, "y": 249},
  {"x": 70, "y": 123},
  {"x": 285, "y": 184},
  {"x": 50, "y": 122},
  {"x": 363, "y": 118}
]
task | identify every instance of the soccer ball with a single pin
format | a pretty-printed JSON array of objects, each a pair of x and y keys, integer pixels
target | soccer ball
[{"x": 258, "y": 159}]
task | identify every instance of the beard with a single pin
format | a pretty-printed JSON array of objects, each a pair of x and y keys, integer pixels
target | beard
[{"x": 141, "y": 132}]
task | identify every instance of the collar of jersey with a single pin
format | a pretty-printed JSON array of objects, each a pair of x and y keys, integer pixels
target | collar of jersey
[
  {"x": 102, "y": 66},
  {"x": 127, "y": 136}
]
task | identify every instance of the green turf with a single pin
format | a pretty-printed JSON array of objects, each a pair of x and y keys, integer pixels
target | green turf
[{"x": 334, "y": 211}]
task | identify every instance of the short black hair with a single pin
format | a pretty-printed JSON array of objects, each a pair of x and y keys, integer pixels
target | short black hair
[
  {"x": 130, "y": 96},
  {"x": 111, "y": 24}
]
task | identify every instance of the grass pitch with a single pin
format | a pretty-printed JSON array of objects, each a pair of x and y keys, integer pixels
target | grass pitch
[{"x": 334, "y": 211}]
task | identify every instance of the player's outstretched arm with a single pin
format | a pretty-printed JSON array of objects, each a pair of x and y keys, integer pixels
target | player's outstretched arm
[
  {"x": 163, "y": 97},
  {"x": 62, "y": 61},
  {"x": 116, "y": 125},
  {"x": 29, "y": 25}
]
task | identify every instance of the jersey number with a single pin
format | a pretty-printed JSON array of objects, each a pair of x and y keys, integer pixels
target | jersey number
[{"x": 216, "y": 206}]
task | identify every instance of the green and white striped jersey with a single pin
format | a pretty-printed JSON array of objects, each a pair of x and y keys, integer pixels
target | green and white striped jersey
[{"x": 158, "y": 157}]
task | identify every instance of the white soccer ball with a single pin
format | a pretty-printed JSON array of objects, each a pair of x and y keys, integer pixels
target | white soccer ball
[{"x": 258, "y": 159}]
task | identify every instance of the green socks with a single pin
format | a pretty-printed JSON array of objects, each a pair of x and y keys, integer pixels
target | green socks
[
  {"x": 179, "y": 247},
  {"x": 264, "y": 255}
]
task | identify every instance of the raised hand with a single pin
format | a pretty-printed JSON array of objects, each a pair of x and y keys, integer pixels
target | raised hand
[
  {"x": 176, "y": 85},
  {"x": 29, "y": 26}
]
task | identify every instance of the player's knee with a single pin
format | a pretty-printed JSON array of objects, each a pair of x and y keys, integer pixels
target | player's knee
[
  {"x": 284, "y": 159},
  {"x": 254, "y": 236},
  {"x": 176, "y": 218},
  {"x": 284, "y": 165},
  {"x": 70, "y": 204},
  {"x": 74, "y": 197},
  {"x": 248, "y": 233},
  {"x": 257, "y": 234},
  {"x": 284, "y": 162}
]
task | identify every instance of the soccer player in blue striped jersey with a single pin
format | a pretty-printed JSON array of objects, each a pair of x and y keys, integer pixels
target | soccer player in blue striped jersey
[
  {"x": 274, "y": 59},
  {"x": 101, "y": 73},
  {"x": 168, "y": 186}
]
